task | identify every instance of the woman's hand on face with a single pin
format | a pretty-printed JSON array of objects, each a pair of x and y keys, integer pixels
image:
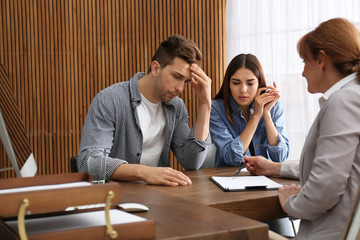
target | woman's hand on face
[
  {"x": 276, "y": 96},
  {"x": 264, "y": 101}
]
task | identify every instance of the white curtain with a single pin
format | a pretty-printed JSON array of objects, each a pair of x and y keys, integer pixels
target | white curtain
[{"x": 270, "y": 29}]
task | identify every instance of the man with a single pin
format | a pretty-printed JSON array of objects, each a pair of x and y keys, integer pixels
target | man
[{"x": 141, "y": 119}]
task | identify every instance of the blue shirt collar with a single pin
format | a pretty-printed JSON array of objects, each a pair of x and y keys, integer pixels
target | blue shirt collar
[
  {"x": 236, "y": 110},
  {"x": 135, "y": 94},
  {"x": 134, "y": 87}
]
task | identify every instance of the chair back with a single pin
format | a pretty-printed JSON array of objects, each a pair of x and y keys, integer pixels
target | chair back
[
  {"x": 74, "y": 164},
  {"x": 209, "y": 161},
  {"x": 352, "y": 228}
]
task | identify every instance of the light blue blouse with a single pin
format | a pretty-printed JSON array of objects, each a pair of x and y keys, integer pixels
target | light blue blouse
[{"x": 227, "y": 136}]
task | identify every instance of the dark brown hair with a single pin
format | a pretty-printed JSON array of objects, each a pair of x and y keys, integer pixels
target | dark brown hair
[
  {"x": 176, "y": 46},
  {"x": 339, "y": 39},
  {"x": 247, "y": 61}
]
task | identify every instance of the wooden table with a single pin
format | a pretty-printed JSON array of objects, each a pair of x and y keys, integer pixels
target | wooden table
[
  {"x": 178, "y": 218},
  {"x": 202, "y": 210},
  {"x": 258, "y": 205}
]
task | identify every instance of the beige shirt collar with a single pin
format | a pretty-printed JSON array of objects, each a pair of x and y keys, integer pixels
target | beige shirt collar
[{"x": 336, "y": 87}]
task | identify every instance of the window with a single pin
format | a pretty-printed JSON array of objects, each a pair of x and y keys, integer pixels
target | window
[{"x": 270, "y": 30}]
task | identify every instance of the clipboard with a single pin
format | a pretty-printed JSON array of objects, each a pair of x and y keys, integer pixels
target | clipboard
[
  {"x": 43, "y": 204},
  {"x": 244, "y": 183}
]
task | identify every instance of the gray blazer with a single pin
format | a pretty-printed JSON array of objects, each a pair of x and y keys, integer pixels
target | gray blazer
[{"x": 329, "y": 168}]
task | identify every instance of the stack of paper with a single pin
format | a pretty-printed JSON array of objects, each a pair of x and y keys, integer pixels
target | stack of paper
[{"x": 243, "y": 183}]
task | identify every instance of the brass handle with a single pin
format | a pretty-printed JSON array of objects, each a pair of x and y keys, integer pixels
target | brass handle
[
  {"x": 21, "y": 218},
  {"x": 109, "y": 229}
]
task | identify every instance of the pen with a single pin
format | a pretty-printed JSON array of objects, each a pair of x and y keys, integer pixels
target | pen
[{"x": 242, "y": 165}]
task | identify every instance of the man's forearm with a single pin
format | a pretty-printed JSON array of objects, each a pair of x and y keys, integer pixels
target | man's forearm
[
  {"x": 201, "y": 127},
  {"x": 128, "y": 172}
]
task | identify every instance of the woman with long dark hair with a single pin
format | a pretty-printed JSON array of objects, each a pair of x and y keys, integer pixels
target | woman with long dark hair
[{"x": 247, "y": 116}]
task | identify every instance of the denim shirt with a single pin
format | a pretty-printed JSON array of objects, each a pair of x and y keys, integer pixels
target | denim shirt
[
  {"x": 112, "y": 122},
  {"x": 226, "y": 136}
]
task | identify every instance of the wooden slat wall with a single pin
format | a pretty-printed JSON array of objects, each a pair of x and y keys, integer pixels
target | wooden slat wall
[{"x": 60, "y": 53}]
